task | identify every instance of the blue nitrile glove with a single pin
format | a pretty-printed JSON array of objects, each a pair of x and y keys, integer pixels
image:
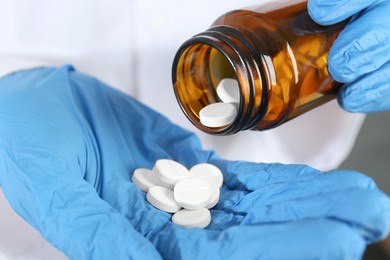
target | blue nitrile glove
[
  {"x": 68, "y": 147},
  {"x": 360, "y": 56}
]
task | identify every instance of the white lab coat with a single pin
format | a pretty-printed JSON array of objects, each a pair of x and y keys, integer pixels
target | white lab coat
[{"x": 130, "y": 45}]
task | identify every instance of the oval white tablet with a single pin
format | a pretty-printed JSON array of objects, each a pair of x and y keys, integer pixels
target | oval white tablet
[
  {"x": 218, "y": 114},
  {"x": 192, "y": 193},
  {"x": 143, "y": 178},
  {"x": 228, "y": 91},
  {"x": 169, "y": 172},
  {"x": 208, "y": 172},
  {"x": 163, "y": 199},
  {"x": 215, "y": 193},
  {"x": 200, "y": 218}
]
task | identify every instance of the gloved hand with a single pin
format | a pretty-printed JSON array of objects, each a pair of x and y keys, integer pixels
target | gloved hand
[
  {"x": 360, "y": 56},
  {"x": 69, "y": 145}
]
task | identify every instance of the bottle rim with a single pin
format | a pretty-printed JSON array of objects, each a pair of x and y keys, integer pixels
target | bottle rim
[{"x": 242, "y": 59}]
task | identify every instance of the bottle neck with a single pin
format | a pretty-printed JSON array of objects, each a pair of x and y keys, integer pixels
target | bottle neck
[{"x": 204, "y": 60}]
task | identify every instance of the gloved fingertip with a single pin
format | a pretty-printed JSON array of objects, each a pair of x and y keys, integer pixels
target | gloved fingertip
[
  {"x": 352, "y": 240},
  {"x": 340, "y": 74},
  {"x": 384, "y": 229},
  {"x": 321, "y": 12},
  {"x": 367, "y": 94},
  {"x": 376, "y": 217},
  {"x": 315, "y": 13},
  {"x": 341, "y": 66},
  {"x": 346, "y": 103},
  {"x": 354, "y": 100},
  {"x": 363, "y": 180}
]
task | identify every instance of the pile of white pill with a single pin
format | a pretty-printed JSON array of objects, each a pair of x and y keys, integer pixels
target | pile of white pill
[
  {"x": 188, "y": 194},
  {"x": 222, "y": 113}
]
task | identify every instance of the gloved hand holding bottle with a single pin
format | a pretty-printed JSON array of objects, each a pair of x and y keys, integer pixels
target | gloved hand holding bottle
[
  {"x": 69, "y": 145},
  {"x": 286, "y": 64},
  {"x": 360, "y": 56}
]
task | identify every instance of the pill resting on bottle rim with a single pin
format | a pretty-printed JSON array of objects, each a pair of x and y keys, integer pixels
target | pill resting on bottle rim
[{"x": 218, "y": 114}]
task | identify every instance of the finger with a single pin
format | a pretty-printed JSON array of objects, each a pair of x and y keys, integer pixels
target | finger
[
  {"x": 367, "y": 94},
  {"x": 363, "y": 46},
  {"x": 275, "y": 202},
  {"x": 298, "y": 188},
  {"x": 247, "y": 176},
  {"x": 328, "y": 239},
  {"x": 241, "y": 175},
  {"x": 367, "y": 211},
  {"x": 331, "y": 12}
]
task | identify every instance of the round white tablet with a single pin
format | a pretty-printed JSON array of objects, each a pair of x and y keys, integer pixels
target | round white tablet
[
  {"x": 200, "y": 218},
  {"x": 143, "y": 178},
  {"x": 215, "y": 193},
  {"x": 162, "y": 198},
  {"x": 208, "y": 172},
  {"x": 192, "y": 193},
  {"x": 169, "y": 172},
  {"x": 218, "y": 114},
  {"x": 228, "y": 91}
]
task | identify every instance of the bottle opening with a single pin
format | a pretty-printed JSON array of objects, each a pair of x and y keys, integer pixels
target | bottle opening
[{"x": 199, "y": 72}]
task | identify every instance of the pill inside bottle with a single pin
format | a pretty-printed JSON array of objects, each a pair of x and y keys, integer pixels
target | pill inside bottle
[
  {"x": 222, "y": 113},
  {"x": 218, "y": 114}
]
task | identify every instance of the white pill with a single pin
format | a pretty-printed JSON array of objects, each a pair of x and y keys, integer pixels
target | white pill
[
  {"x": 144, "y": 178},
  {"x": 228, "y": 91},
  {"x": 169, "y": 172},
  {"x": 215, "y": 193},
  {"x": 218, "y": 114},
  {"x": 163, "y": 199},
  {"x": 208, "y": 172},
  {"x": 200, "y": 218},
  {"x": 192, "y": 193}
]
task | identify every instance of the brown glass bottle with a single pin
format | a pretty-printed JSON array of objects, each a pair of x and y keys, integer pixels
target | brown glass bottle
[{"x": 276, "y": 52}]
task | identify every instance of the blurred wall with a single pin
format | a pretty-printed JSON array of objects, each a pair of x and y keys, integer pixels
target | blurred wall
[{"x": 371, "y": 154}]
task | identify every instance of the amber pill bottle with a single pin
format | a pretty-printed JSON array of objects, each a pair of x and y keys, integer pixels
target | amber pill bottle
[{"x": 275, "y": 51}]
